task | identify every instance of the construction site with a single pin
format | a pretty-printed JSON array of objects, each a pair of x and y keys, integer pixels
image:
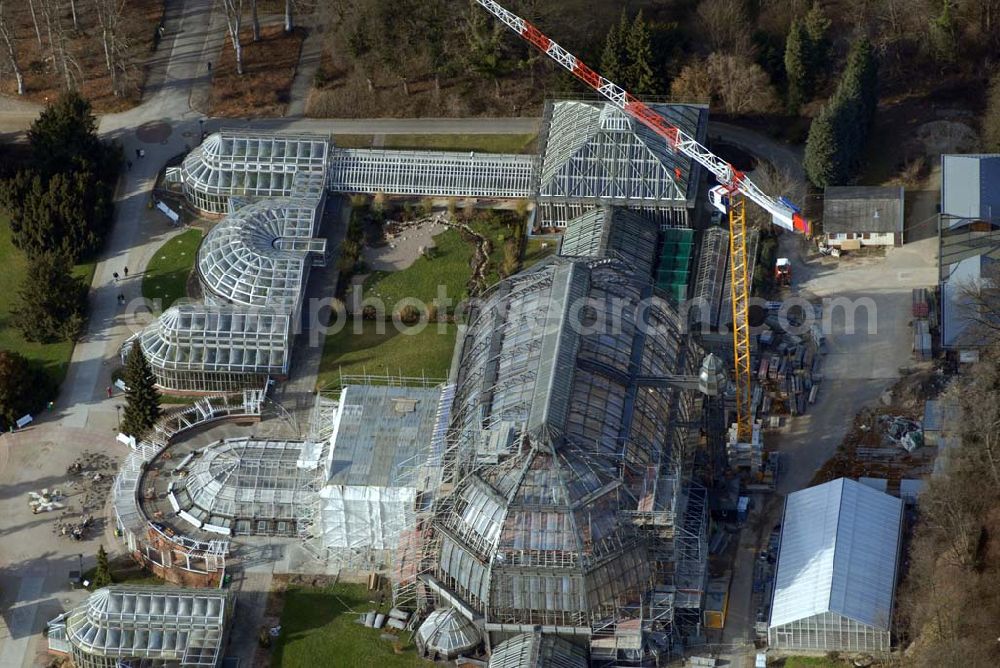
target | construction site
[{"x": 574, "y": 492}]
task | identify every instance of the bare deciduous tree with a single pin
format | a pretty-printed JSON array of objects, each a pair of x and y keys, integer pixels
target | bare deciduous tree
[
  {"x": 62, "y": 59},
  {"x": 254, "y": 20},
  {"x": 234, "y": 22},
  {"x": 725, "y": 24},
  {"x": 772, "y": 179},
  {"x": 742, "y": 86},
  {"x": 7, "y": 33},
  {"x": 114, "y": 41},
  {"x": 692, "y": 84},
  {"x": 34, "y": 21}
]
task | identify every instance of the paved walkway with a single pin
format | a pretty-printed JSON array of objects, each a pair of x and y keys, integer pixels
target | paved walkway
[{"x": 34, "y": 563}]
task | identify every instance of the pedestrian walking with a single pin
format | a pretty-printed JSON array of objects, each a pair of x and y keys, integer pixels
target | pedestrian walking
[
  {"x": 116, "y": 276},
  {"x": 129, "y": 163},
  {"x": 121, "y": 299},
  {"x": 110, "y": 391},
  {"x": 137, "y": 156},
  {"x": 126, "y": 272},
  {"x": 210, "y": 66}
]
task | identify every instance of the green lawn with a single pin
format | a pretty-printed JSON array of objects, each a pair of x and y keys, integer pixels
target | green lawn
[
  {"x": 53, "y": 357},
  {"x": 449, "y": 268},
  {"x": 427, "y": 353},
  {"x": 166, "y": 276},
  {"x": 537, "y": 249},
  {"x": 353, "y": 141},
  {"x": 505, "y": 143},
  {"x": 318, "y": 629}
]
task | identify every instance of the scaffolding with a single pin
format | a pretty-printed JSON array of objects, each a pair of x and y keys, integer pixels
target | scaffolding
[
  {"x": 128, "y": 625},
  {"x": 241, "y": 486},
  {"x": 216, "y": 348},
  {"x": 148, "y": 541},
  {"x": 383, "y": 440},
  {"x": 593, "y": 154},
  {"x": 239, "y": 163},
  {"x": 431, "y": 173},
  {"x": 554, "y": 423}
]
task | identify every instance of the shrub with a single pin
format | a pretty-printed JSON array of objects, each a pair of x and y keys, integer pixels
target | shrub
[{"x": 409, "y": 315}]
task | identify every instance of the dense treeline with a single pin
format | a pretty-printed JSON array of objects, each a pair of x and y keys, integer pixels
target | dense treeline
[
  {"x": 24, "y": 388},
  {"x": 60, "y": 205},
  {"x": 62, "y": 201},
  {"x": 838, "y": 134},
  {"x": 950, "y": 600}
]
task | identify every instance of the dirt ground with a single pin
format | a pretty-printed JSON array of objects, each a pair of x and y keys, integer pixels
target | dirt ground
[
  {"x": 264, "y": 90},
  {"x": 402, "y": 250},
  {"x": 43, "y": 84},
  {"x": 861, "y": 362}
]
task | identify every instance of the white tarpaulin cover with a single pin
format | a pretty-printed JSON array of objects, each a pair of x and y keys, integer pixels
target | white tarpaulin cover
[
  {"x": 365, "y": 517},
  {"x": 839, "y": 548}
]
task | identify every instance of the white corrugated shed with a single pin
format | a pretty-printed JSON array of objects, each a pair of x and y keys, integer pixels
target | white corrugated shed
[{"x": 839, "y": 552}]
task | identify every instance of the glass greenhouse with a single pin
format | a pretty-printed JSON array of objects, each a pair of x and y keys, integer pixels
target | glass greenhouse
[
  {"x": 535, "y": 650},
  {"x": 140, "y": 625},
  {"x": 209, "y": 348},
  {"x": 613, "y": 232},
  {"x": 594, "y": 154},
  {"x": 249, "y": 164},
  {"x": 556, "y": 388},
  {"x": 261, "y": 255},
  {"x": 431, "y": 173},
  {"x": 837, "y": 566},
  {"x": 244, "y": 486},
  {"x": 446, "y": 634}
]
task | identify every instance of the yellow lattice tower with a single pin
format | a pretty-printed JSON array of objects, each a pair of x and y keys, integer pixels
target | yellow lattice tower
[{"x": 740, "y": 286}]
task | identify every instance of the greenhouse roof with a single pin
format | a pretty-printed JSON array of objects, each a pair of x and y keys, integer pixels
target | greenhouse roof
[
  {"x": 595, "y": 151},
  {"x": 161, "y": 623},
  {"x": 237, "y": 162},
  {"x": 537, "y": 650},
  {"x": 612, "y": 232},
  {"x": 204, "y": 337},
  {"x": 839, "y": 553},
  {"x": 381, "y": 432},
  {"x": 448, "y": 632},
  {"x": 259, "y": 256},
  {"x": 241, "y": 478}
]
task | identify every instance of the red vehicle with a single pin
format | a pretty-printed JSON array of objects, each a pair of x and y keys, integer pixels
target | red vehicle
[{"x": 783, "y": 271}]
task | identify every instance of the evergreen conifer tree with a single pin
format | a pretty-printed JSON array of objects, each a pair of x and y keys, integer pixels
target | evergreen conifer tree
[
  {"x": 142, "y": 407},
  {"x": 798, "y": 69},
  {"x": 102, "y": 574},
  {"x": 817, "y": 27},
  {"x": 639, "y": 47},
  {"x": 613, "y": 58},
  {"x": 52, "y": 302}
]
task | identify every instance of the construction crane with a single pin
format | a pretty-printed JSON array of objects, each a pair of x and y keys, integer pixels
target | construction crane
[{"x": 729, "y": 196}]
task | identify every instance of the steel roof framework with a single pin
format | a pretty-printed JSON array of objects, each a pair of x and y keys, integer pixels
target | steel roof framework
[
  {"x": 237, "y": 163},
  {"x": 124, "y": 623}
]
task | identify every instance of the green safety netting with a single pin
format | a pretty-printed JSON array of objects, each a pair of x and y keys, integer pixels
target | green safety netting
[{"x": 674, "y": 268}]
